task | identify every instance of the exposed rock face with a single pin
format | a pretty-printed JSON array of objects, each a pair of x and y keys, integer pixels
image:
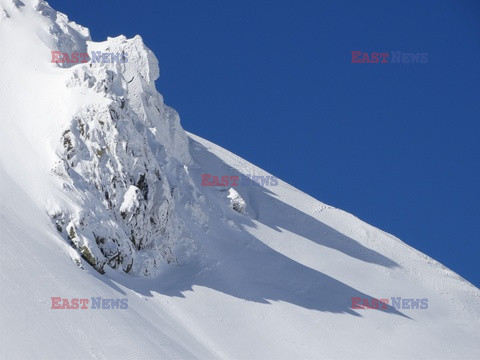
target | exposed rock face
[{"x": 117, "y": 154}]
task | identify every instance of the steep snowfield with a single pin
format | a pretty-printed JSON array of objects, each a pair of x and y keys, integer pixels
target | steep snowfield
[{"x": 272, "y": 280}]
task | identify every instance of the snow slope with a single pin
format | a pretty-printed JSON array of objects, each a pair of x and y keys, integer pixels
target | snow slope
[{"x": 205, "y": 281}]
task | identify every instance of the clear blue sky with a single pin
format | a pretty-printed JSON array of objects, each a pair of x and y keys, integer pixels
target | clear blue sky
[{"x": 395, "y": 144}]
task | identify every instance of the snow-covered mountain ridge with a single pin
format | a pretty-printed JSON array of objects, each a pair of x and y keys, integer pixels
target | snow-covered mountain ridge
[{"x": 101, "y": 196}]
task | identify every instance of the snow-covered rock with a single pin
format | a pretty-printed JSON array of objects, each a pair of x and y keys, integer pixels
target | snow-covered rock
[{"x": 236, "y": 201}]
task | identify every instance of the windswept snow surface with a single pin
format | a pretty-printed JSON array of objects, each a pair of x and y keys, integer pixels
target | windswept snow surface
[{"x": 274, "y": 280}]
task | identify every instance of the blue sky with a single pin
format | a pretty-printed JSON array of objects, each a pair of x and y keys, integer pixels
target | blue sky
[{"x": 272, "y": 81}]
